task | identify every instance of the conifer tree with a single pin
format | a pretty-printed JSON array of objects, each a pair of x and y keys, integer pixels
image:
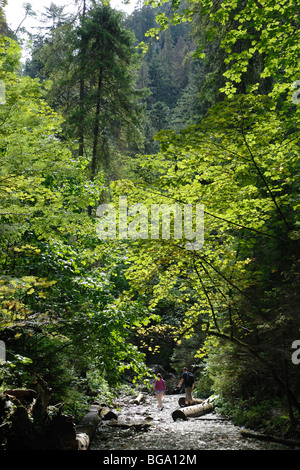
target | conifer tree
[{"x": 92, "y": 64}]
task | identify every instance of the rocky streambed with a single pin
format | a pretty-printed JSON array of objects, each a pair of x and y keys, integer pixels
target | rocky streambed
[{"x": 144, "y": 427}]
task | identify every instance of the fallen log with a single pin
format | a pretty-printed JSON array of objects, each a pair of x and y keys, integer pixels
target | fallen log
[
  {"x": 139, "y": 399},
  {"x": 192, "y": 411},
  {"x": 26, "y": 395},
  {"x": 61, "y": 435},
  {"x": 86, "y": 428},
  {"x": 138, "y": 426},
  {"x": 107, "y": 414},
  {"x": 196, "y": 401},
  {"x": 32, "y": 424},
  {"x": 268, "y": 438}
]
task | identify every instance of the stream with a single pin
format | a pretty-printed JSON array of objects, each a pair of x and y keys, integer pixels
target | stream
[{"x": 145, "y": 427}]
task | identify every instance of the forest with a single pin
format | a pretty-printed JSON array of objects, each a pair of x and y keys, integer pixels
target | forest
[{"x": 182, "y": 103}]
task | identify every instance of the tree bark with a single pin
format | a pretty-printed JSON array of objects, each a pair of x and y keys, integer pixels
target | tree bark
[
  {"x": 137, "y": 426},
  {"x": 26, "y": 395},
  {"x": 193, "y": 411},
  {"x": 107, "y": 414},
  {"x": 39, "y": 410},
  {"x": 196, "y": 401},
  {"x": 139, "y": 399},
  {"x": 86, "y": 428},
  {"x": 81, "y": 91},
  {"x": 96, "y": 127},
  {"x": 262, "y": 437}
]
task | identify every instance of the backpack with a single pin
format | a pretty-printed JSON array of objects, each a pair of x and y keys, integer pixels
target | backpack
[{"x": 190, "y": 379}]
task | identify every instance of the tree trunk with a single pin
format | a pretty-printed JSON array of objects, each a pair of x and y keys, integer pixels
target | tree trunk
[
  {"x": 26, "y": 395},
  {"x": 193, "y": 411},
  {"x": 196, "y": 401},
  {"x": 81, "y": 92},
  {"x": 262, "y": 437},
  {"x": 136, "y": 426},
  {"x": 86, "y": 428},
  {"x": 39, "y": 410},
  {"x": 107, "y": 414},
  {"x": 96, "y": 133},
  {"x": 96, "y": 127},
  {"x": 139, "y": 399}
]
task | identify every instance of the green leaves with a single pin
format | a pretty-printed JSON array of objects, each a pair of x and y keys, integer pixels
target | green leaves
[
  {"x": 30, "y": 152},
  {"x": 59, "y": 284},
  {"x": 236, "y": 163},
  {"x": 92, "y": 67}
]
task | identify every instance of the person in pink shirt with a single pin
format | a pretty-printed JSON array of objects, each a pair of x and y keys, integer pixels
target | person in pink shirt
[{"x": 160, "y": 390}]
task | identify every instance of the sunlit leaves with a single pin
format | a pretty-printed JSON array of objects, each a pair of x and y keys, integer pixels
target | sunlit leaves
[
  {"x": 240, "y": 164},
  {"x": 59, "y": 285}
]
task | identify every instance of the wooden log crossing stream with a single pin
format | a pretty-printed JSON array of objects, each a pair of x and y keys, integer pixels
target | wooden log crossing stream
[{"x": 133, "y": 426}]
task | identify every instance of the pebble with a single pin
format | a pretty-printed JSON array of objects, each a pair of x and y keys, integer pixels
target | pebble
[{"x": 209, "y": 432}]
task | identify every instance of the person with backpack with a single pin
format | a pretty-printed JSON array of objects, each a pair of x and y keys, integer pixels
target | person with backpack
[{"x": 189, "y": 384}]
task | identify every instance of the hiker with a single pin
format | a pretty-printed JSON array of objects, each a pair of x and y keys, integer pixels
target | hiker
[
  {"x": 189, "y": 384},
  {"x": 160, "y": 390}
]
